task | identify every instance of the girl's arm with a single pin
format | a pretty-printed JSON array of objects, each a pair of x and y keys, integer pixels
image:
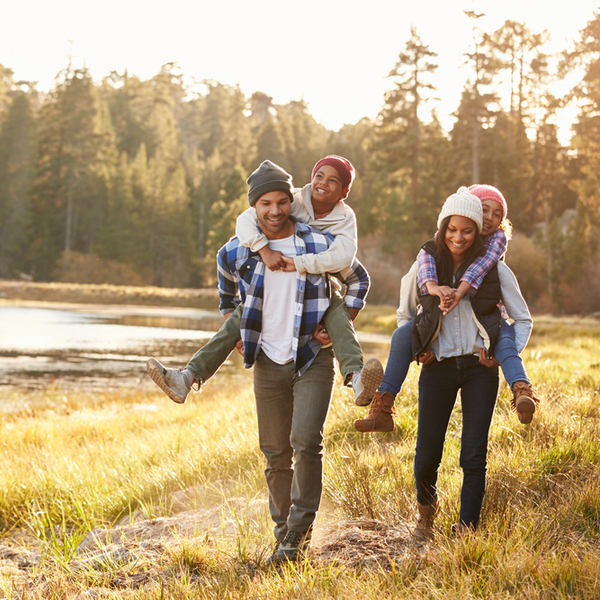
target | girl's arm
[
  {"x": 495, "y": 247},
  {"x": 426, "y": 271}
]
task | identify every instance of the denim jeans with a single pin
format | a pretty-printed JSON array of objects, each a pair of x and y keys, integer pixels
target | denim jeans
[
  {"x": 291, "y": 414},
  {"x": 399, "y": 360},
  {"x": 508, "y": 357},
  {"x": 206, "y": 362},
  {"x": 438, "y": 387}
]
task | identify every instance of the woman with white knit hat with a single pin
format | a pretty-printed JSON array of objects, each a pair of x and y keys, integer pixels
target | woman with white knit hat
[{"x": 449, "y": 346}]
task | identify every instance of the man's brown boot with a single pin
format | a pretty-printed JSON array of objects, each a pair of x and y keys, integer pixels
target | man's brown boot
[
  {"x": 524, "y": 402},
  {"x": 380, "y": 416},
  {"x": 423, "y": 532}
]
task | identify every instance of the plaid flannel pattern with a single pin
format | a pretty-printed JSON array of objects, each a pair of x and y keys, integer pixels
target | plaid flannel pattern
[
  {"x": 241, "y": 279},
  {"x": 495, "y": 247}
]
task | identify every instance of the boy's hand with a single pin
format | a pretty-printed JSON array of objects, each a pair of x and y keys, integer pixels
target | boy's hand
[
  {"x": 320, "y": 334},
  {"x": 272, "y": 258},
  {"x": 290, "y": 265},
  {"x": 239, "y": 346},
  {"x": 485, "y": 360}
]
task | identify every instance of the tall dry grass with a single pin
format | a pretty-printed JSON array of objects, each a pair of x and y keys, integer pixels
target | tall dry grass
[{"x": 77, "y": 462}]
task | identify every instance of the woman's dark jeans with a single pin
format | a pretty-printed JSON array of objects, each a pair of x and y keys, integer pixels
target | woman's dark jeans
[{"x": 438, "y": 386}]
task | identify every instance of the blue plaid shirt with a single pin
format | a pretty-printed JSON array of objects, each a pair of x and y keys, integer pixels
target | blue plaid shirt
[{"x": 241, "y": 279}]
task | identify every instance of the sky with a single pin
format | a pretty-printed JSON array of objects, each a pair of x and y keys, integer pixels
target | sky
[{"x": 333, "y": 54}]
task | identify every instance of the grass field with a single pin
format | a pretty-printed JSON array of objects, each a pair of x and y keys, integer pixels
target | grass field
[{"x": 131, "y": 496}]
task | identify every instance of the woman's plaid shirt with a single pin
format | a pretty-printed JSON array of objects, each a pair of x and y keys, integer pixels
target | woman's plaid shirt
[{"x": 241, "y": 279}]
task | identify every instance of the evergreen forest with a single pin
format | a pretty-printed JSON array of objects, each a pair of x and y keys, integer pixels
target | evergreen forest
[{"x": 126, "y": 181}]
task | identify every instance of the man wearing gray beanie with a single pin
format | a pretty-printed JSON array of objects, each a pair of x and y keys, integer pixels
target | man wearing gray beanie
[
  {"x": 269, "y": 177},
  {"x": 293, "y": 373}
]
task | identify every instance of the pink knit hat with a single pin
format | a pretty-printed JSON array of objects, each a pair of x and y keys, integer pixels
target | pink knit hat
[
  {"x": 489, "y": 192},
  {"x": 342, "y": 165}
]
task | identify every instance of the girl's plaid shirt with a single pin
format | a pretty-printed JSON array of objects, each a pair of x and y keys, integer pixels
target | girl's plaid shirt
[
  {"x": 495, "y": 248},
  {"x": 241, "y": 279}
]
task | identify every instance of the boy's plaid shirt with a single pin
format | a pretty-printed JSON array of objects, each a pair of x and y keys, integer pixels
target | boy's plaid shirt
[
  {"x": 495, "y": 247},
  {"x": 241, "y": 274}
]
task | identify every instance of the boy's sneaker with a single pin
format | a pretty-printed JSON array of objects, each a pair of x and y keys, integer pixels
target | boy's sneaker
[
  {"x": 366, "y": 382},
  {"x": 294, "y": 546},
  {"x": 170, "y": 381},
  {"x": 524, "y": 402}
]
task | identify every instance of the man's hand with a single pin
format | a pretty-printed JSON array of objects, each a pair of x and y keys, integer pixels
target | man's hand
[
  {"x": 272, "y": 258},
  {"x": 290, "y": 265},
  {"x": 427, "y": 356},
  {"x": 239, "y": 346},
  {"x": 320, "y": 334},
  {"x": 485, "y": 359}
]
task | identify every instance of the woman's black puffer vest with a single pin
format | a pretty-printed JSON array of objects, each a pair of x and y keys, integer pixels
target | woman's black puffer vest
[{"x": 485, "y": 306}]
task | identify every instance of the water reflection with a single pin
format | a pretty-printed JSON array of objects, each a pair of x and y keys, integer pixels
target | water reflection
[{"x": 106, "y": 347}]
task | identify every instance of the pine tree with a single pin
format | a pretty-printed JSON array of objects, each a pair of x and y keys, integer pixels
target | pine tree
[
  {"x": 76, "y": 158},
  {"x": 17, "y": 164},
  {"x": 406, "y": 146}
]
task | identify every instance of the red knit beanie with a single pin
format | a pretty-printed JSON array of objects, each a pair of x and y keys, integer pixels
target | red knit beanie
[
  {"x": 489, "y": 192},
  {"x": 342, "y": 165}
]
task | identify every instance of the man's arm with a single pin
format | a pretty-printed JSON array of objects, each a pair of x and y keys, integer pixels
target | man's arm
[
  {"x": 358, "y": 283},
  {"x": 229, "y": 296}
]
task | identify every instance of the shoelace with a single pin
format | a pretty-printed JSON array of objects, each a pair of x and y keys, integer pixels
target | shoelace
[{"x": 293, "y": 539}]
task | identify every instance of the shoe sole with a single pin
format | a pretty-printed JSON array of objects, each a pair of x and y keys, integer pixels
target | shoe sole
[
  {"x": 525, "y": 409},
  {"x": 360, "y": 429},
  {"x": 371, "y": 378},
  {"x": 157, "y": 374}
]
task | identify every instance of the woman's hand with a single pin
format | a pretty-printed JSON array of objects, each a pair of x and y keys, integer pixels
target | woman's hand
[
  {"x": 485, "y": 359},
  {"x": 427, "y": 356}
]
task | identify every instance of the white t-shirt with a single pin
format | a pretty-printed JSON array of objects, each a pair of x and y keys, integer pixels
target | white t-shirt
[{"x": 278, "y": 307}]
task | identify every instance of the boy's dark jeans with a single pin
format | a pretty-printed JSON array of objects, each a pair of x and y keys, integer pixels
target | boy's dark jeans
[{"x": 438, "y": 387}]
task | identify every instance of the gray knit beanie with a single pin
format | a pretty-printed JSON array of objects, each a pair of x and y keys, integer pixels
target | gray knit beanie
[
  {"x": 269, "y": 178},
  {"x": 462, "y": 204}
]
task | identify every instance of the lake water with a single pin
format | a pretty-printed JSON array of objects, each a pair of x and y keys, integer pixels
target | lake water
[{"x": 106, "y": 347}]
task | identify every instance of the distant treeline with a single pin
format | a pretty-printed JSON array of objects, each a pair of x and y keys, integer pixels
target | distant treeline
[{"x": 127, "y": 181}]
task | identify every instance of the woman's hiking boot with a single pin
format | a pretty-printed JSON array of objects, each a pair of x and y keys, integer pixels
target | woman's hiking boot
[
  {"x": 524, "y": 402},
  {"x": 380, "y": 416},
  {"x": 423, "y": 532}
]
